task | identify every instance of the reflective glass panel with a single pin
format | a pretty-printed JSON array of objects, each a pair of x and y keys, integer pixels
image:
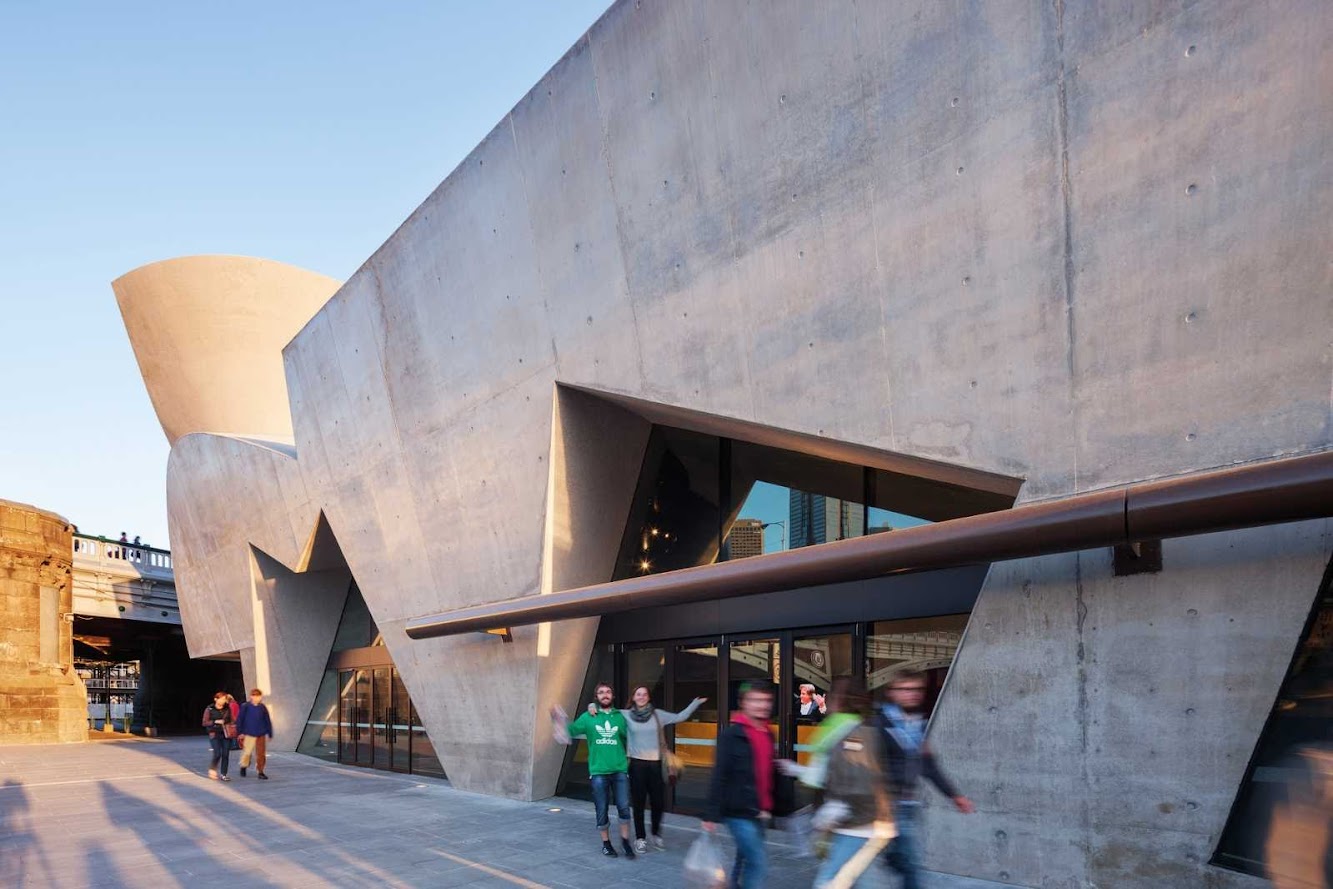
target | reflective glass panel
[
  {"x": 817, "y": 662},
  {"x": 424, "y": 759},
  {"x": 320, "y": 736},
  {"x": 921, "y": 645},
  {"x": 696, "y": 738}
]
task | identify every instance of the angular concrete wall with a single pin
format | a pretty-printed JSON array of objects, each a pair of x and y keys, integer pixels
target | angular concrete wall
[
  {"x": 1103, "y": 724},
  {"x": 1081, "y": 243}
]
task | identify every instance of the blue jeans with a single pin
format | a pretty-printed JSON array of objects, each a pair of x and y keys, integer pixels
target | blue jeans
[
  {"x": 751, "y": 858},
  {"x": 841, "y": 849},
  {"x": 602, "y": 787},
  {"x": 221, "y": 751},
  {"x": 904, "y": 854}
]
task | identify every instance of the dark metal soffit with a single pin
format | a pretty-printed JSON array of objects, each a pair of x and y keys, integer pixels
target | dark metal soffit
[{"x": 1286, "y": 490}]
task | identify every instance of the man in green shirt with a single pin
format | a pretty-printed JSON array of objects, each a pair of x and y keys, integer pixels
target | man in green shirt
[{"x": 608, "y": 767}]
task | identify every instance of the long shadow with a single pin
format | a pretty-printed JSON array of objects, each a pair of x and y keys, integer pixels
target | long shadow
[
  {"x": 333, "y": 865},
  {"x": 171, "y": 837},
  {"x": 100, "y": 870},
  {"x": 19, "y": 848}
]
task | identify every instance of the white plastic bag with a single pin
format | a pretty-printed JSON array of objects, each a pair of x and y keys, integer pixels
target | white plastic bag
[{"x": 703, "y": 864}]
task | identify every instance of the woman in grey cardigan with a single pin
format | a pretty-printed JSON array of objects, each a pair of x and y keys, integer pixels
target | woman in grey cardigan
[{"x": 646, "y": 782}]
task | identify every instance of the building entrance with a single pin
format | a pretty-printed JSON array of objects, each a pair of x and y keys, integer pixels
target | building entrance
[
  {"x": 802, "y": 664},
  {"x": 377, "y": 724},
  {"x": 363, "y": 715}
]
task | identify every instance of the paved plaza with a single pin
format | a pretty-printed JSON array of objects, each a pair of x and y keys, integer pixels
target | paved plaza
[{"x": 143, "y": 813}]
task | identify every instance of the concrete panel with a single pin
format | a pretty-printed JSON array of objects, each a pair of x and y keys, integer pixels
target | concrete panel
[
  {"x": 1102, "y": 724},
  {"x": 295, "y": 619},
  {"x": 209, "y": 477},
  {"x": 560, "y": 143},
  {"x": 207, "y": 330},
  {"x": 597, "y": 452},
  {"x": 1199, "y": 213}
]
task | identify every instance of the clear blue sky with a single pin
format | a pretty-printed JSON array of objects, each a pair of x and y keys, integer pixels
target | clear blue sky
[{"x": 130, "y": 132}]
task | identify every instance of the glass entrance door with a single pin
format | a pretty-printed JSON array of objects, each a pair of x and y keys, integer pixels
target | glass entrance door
[
  {"x": 361, "y": 716},
  {"x": 377, "y": 724},
  {"x": 695, "y": 675}
]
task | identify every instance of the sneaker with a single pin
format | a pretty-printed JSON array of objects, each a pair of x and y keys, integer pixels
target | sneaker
[
  {"x": 213, "y": 773},
  {"x": 224, "y": 778},
  {"x": 242, "y": 771},
  {"x": 608, "y": 850},
  {"x": 629, "y": 851},
  {"x": 263, "y": 776},
  {"x": 658, "y": 843},
  {"x": 641, "y": 847}
]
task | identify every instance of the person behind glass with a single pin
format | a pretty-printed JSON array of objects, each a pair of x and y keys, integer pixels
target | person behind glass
[
  {"x": 221, "y": 728},
  {"x": 608, "y": 766},
  {"x": 908, "y": 759},
  {"x": 741, "y": 794},
  {"x": 812, "y": 706},
  {"x": 647, "y": 782},
  {"x": 856, "y": 808}
]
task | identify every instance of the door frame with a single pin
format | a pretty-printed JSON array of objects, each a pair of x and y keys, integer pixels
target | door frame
[{"x": 782, "y": 704}]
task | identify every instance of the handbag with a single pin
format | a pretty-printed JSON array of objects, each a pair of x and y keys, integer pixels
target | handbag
[
  {"x": 672, "y": 765},
  {"x": 229, "y": 731}
]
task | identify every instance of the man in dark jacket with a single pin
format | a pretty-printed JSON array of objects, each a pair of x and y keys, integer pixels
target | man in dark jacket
[
  {"x": 908, "y": 759},
  {"x": 256, "y": 726},
  {"x": 744, "y": 779}
]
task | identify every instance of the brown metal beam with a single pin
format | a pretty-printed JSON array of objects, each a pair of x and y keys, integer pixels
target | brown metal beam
[{"x": 1285, "y": 490}]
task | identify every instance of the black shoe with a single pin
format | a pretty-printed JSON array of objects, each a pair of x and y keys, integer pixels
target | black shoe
[
  {"x": 263, "y": 776},
  {"x": 629, "y": 850},
  {"x": 242, "y": 771},
  {"x": 608, "y": 850}
]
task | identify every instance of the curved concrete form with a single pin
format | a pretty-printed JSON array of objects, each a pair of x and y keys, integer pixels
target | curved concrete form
[{"x": 208, "y": 333}]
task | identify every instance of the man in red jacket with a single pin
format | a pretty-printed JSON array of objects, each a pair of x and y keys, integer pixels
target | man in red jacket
[{"x": 743, "y": 782}]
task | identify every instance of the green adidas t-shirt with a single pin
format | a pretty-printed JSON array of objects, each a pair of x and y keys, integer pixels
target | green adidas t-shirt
[{"x": 607, "y": 736}]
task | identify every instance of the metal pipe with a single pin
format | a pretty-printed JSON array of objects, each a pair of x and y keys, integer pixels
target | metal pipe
[{"x": 1286, "y": 490}]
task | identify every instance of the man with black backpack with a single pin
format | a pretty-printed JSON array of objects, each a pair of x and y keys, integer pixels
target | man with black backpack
[{"x": 908, "y": 759}]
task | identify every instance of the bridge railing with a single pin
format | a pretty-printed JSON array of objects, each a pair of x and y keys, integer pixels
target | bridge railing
[{"x": 112, "y": 555}]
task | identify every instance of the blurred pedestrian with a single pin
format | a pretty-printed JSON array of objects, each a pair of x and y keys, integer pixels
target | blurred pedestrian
[
  {"x": 908, "y": 759},
  {"x": 741, "y": 795},
  {"x": 856, "y": 808}
]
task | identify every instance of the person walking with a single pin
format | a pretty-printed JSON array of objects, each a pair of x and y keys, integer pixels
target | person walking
[
  {"x": 856, "y": 808},
  {"x": 649, "y": 760},
  {"x": 908, "y": 759},
  {"x": 608, "y": 767},
  {"x": 235, "y": 716},
  {"x": 255, "y": 726},
  {"x": 221, "y": 728},
  {"x": 741, "y": 794}
]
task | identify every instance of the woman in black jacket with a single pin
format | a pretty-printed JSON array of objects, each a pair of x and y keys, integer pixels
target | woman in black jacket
[{"x": 221, "y": 729}]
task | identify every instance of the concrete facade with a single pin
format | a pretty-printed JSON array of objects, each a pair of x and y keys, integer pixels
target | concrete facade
[
  {"x": 1084, "y": 244},
  {"x": 42, "y": 699}
]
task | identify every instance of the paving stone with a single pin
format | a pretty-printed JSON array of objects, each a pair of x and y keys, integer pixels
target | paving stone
[{"x": 145, "y": 813}]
